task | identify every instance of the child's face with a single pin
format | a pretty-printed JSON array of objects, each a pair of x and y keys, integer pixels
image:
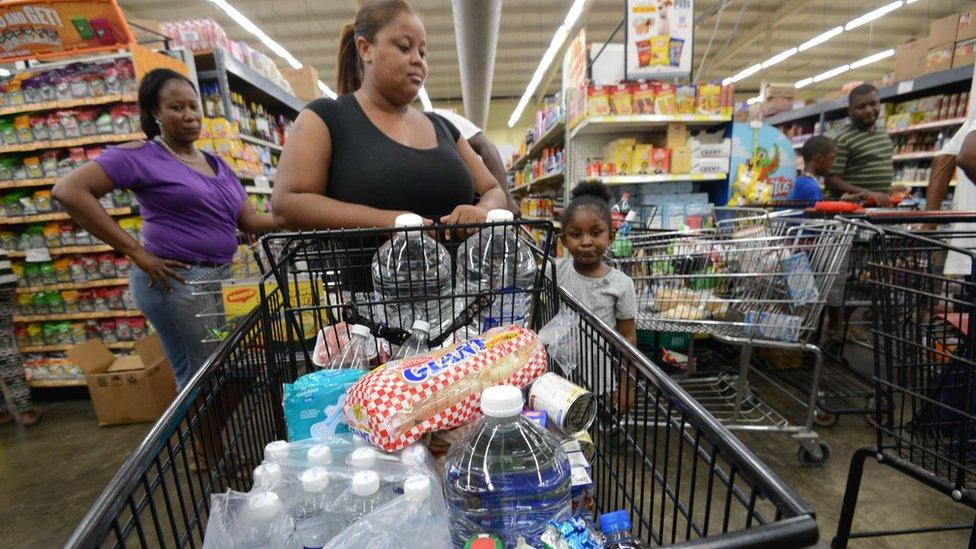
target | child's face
[
  {"x": 821, "y": 163},
  {"x": 587, "y": 236}
]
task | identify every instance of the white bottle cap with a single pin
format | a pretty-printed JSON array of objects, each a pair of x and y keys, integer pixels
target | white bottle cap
[
  {"x": 421, "y": 325},
  {"x": 495, "y": 216},
  {"x": 409, "y": 220},
  {"x": 365, "y": 483},
  {"x": 263, "y": 505},
  {"x": 362, "y": 458},
  {"x": 415, "y": 454},
  {"x": 320, "y": 454},
  {"x": 360, "y": 330},
  {"x": 276, "y": 451},
  {"x": 267, "y": 475},
  {"x": 501, "y": 401},
  {"x": 417, "y": 487},
  {"x": 314, "y": 479}
]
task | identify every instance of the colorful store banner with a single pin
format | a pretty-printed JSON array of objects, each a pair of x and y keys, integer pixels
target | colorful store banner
[
  {"x": 51, "y": 28},
  {"x": 659, "y": 38},
  {"x": 763, "y": 165}
]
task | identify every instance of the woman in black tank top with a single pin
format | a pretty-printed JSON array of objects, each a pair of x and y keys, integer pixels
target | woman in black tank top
[{"x": 367, "y": 156}]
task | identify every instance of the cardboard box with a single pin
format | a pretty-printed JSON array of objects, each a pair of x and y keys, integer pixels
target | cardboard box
[
  {"x": 967, "y": 26},
  {"x": 681, "y": 159},
  {"x": 304, "y": 82},
  {"x": 677, "y": 135},
  {"x": 130, "y": 389},
  {"x": 910, "y": 59},
  {"x": 965, "y": 54},
  {"x": 939, "y": 59},
  {"x": 942, "y": 32}
]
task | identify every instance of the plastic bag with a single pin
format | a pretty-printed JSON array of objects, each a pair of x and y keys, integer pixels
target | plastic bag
[
  {"x": 236, "y": 520},
  {"x": 561, "y": 337},
  {"x": 313, "y": 404}
]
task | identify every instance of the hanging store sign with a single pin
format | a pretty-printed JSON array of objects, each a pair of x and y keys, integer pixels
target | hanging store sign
[
  {"x": 52, "y": 28},
  {"x": 659, "y": 40}
]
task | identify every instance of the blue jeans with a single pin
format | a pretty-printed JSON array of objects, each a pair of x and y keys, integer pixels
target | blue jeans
[{"x": 174, "y": 316}]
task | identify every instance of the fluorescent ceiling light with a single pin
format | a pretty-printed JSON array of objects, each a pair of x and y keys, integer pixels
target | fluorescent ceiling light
[
  {"x": 872, "y": 58},
  {"x": 326, "y": 90},
  {"x": 558, "y": 40},
  {"x": 820, "y": 38},
  {"x": 873, "y": 14},
  {"x": 747, "y": 72},
  {"x": 425, "y": 100},
  {"x": 753, "y": 100},
  {"x": 727, "y": 80},
  {"x": 250, "y": 27},
  {"x": 803, "y": 83},
  {"x": 831, "y": 73},
  {"x": 779, "y": 58}
]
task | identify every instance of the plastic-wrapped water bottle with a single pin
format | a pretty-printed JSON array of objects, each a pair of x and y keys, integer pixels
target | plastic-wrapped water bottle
[
  {"x": 362, "y": 498},
  {"x": 267, "y": 476},
  {"x": 319, "y": 455},
  {"x": 615, "y": 527},
  {"x": 412, "y": 265},
  {"x": 506, "y": 476},
  {"x": 353, "y": 355},
  {"x": 262, "y": 522},
  {"x": 495, "y": 259},
  {"x": 417, "y": 342},
  {"x": 316, "y": 524},
  {"x": 276, "y": 451}
]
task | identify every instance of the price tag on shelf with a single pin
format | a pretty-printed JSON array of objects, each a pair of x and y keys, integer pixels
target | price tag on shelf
[
  {"x": 906, "y": 87},
  {"x": 37, "y": 255},
  {"x": 262, "y": 182}
]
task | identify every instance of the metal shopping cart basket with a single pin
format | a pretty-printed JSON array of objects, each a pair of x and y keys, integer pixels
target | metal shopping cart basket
[
  {"x": 924, "y": 378},
  {"x": 754, "y": 280},
  {"x": 684, "y": 479}
]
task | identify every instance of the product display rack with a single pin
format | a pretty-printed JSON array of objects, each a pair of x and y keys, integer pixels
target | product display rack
[
  {"x": 554, "y": 136},
  {"x": 56, "y": 216}
]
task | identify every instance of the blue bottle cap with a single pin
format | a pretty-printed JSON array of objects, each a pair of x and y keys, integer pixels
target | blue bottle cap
[{"x": 616, "y": 521}]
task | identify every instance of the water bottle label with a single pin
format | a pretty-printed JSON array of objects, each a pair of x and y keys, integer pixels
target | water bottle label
[
  {"x": 430, "y": 368},
  {"x": 507, "y": 309}
]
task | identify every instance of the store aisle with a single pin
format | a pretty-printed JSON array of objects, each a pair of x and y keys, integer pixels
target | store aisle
[{"x": 51, "y": 474}]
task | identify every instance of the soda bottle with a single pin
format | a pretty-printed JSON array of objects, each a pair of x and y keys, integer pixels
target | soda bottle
[
  {"x": 616, "y": 531},
  {"x": 416, "y": 343},
  {"x": 353, "y": 355}
]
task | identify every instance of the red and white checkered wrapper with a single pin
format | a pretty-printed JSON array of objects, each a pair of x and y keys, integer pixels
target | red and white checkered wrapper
[{"x": 396, "y": 404}]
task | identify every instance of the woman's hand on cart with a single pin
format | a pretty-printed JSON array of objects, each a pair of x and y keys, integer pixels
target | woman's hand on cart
[
  {"x": 463, "y": 215},
  {"x": 157, "y": 269}
]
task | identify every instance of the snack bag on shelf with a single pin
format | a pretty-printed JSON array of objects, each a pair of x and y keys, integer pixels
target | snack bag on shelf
[
  {"x": 664, "y": 99},
  {"x": 709, "y": 98},
  {"x": 398, "y": 403},
  {"x": 597, "y": 101},
  {"x": 685, "y": 99},
  {"x": 642, "y": 96},
  {"x": 621, "y": 101},
  {"x": 660, "y": 51}
]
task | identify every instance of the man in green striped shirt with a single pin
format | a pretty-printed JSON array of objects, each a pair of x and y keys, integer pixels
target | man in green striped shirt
[{"x": 863, "y": 166}]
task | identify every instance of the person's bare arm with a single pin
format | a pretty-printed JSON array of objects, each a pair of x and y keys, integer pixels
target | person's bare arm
[
  {"x": 943, "y": 168},
  {"x": 626, "y": 393},
  {"x": 489, "y": 154},
  {"x": 298, "y": 199},
  {"x": 250, "y": 221},
  {"x": 966, "y": 160},
  {"x": 839, "y": 186},
  {"x": 79, "y": 192},
  {"x": 628, "y": 329}
]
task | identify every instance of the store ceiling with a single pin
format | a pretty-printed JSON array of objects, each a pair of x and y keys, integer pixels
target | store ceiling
[{"x": 741, "y": 33}]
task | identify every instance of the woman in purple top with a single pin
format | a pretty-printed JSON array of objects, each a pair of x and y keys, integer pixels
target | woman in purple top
[{"x": 192, "y": 205}]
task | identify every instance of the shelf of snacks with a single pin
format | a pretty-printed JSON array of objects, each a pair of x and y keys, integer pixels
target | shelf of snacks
[
  {"x": 66, "y": 250},
  {"x": 921, "y": 155},
  {"x": 936, "y": 124},
  {"x": 73, "y": 142},
  {"x": 551, "y": 162},
  {"x": 554, "y": 132},
  {"x": 261, "y": 142},
  {"x": 638, "y": 122},
  {"x": 659, "y": 178},
  {"x": 122, "y": 313},
  {"x": 62, "y": 348},
  {"x": 542, "y": 181},
  {"x": 69, "y": 103},
  {"x": 84, "y": 285},
  {"x": 249, "y": 161},
  {"x": 24, "y": 183},
  {"x": 51, "y": 383},
  {"x": 56, "y": 216}
]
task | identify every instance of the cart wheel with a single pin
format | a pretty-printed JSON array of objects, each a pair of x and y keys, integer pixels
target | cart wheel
[
  {"x": 807, "y": 460},
  {"x": 825, "y": 419}
]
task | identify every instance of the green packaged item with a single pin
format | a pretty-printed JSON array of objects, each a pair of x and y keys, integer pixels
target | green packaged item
[
  {"x": 54, "y": 302},
  {"x": 39, "y": 301},
  {"x": 7, "y": 166},
  {"x": 50, "y": 333},
  {"x": 8, "y": 132},
  {"x": 47, "y": 273},
  {"x": 32, "y": 274}
]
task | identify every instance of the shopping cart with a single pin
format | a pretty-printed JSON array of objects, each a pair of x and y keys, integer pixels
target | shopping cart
[
  {"x": 684, "y": 479},
  {"x": 925, "y": 342},
  {"x": 754, "y": 280}
]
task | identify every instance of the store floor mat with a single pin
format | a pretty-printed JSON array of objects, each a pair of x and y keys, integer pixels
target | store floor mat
[{"x": 51, "y": 474}]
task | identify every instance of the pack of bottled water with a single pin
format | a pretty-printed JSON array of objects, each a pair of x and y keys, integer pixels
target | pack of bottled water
[{"x": 332, "y": 493}]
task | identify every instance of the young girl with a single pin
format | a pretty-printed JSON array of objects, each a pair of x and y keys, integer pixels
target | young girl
[{"x": 606, "y": 292}]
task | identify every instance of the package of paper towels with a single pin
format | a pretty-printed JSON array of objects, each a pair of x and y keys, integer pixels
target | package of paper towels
[{"x": 313, "y": 403}]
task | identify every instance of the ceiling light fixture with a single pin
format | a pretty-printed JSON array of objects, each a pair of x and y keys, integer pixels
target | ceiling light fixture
[
  {"x": 831, "y": 73},
  {"x": 425, "y": 100},
  {"x": 872, "y": 58},
  {"x": 558, "y": 40},
  {"x": 753, "y": 100},
  {"x": 803, "y": 83},
  {"x": 779, "y": 58},
  {"x": 820, "y": 38},
  {"x": 326, "y": 90},
  {"x": 747, "y": 72},
  {"x": 873, "y": 14}
]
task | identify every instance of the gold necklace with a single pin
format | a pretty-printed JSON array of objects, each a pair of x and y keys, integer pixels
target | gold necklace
[{"x": 178, "y": 156}]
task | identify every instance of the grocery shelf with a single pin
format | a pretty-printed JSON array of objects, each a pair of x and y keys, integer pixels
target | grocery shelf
[
  {"x": 61, "y": 348},
  {"x": 555, "y": 223},
  {"x": 261, "y": 142},
  {"x": 915, "y": 156},
  {"x": 658, "y": 178},
  {"x": 250, "y": 189},
  {"x": 56, "y": 216},
  {"x": 917, "y": 184},
  {"x": 75, "y": 142},
  {"x": 21, "y": 183},
  {"x": 638, "y": 122},
  {"x": 49, "y": 383},
  {"x": 540, "y": 182},
  {"x": 217, "y": 64},
  {"x": 929, "y": 125},
  {"x": 78, "y": 316},
  {"x": 552, "y": 136},
  {"x": 70, "y": 103},
  {"x": 64, "y": 250},
  {"x": 74, "y": 285}
]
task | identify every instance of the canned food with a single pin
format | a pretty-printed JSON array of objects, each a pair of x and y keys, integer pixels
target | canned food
[{"x": 571, "y": 407}]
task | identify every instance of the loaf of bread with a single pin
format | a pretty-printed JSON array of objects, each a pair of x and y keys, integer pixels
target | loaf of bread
[{"x": 399, "y": 402}]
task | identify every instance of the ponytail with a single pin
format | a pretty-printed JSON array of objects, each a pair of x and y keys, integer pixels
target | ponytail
[{"x": 371, "y": 17}]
